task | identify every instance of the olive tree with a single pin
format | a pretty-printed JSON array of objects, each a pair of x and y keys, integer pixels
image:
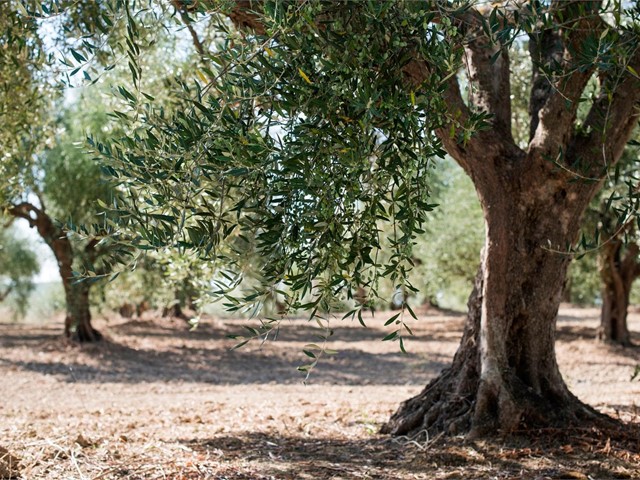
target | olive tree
[
  {"x": 313, "y": 123},
  {"x": 49, "y": 181},
  {"x": 61, "y": 189},
  {"x": 26, "y": 131}
]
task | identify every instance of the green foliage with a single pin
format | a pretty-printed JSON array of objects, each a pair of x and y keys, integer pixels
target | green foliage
[
  {"x": 18, "y": 265},
  {"x": 161, "y": 279},
  {"x": 584, "y": 286},
  {"x": 520, "y": 86},
  {"x": 449, "y": 251},
  {"x": 306, "y": 143},
  {"x": 71, "y": 182},
  {"x": 21, "y": 97}
]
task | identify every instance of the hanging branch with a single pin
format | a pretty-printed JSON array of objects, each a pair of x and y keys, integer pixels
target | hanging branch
[{"x": 184, "y": 16}]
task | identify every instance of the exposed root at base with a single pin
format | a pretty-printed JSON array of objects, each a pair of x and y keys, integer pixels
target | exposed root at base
[
  {"x": 437, "y": 409},
  {"x": 481, "y": 411}
]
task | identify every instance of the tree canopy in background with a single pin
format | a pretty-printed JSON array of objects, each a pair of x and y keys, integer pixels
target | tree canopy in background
[
  {"x": 18, "y": 264},
  {"x": 447, "y": 255},
  {"x": 51, "y": 182}
]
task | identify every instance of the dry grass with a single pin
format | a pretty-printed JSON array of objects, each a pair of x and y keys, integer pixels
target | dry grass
[{"x": 156, "y": 401}]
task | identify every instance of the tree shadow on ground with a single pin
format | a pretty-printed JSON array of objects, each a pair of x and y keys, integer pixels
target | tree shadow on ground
[
  {"x": 297, "y": 329},
  {"x": 26, "y": 340},
  {"x": 575, "y": 332},
  {"x": 165, "y": 350},
  {"x": 583, "y": 316},
  {"x": 443, "y": 326},
  {"x": 216, "y": 364},
  {"x": 301, "y": 457}
]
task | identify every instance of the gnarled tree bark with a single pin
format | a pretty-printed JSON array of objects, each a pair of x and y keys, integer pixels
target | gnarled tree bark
[{"x": 504, "y": 375}]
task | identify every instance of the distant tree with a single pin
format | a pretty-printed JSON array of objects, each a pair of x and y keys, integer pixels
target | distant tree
[
  {"x": 47, "y": 181},
  {"x": 618, "y": 257},
  {"x": 18, "y": 265},
  {"x": 50, "y": 181},
  {"x": 187, "y": 279},
  {"x": 168, "y": 280},
  {"x": 619, "y": 267},
  {"x": 63, "y": 189}
]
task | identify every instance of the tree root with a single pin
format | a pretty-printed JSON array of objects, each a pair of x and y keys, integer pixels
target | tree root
[
  {"x": 441, "y": 409},
  {"x": 438, "y": 408}
]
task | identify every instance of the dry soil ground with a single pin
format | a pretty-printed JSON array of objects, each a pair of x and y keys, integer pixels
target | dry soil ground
[{"x": 155, "y": 401}]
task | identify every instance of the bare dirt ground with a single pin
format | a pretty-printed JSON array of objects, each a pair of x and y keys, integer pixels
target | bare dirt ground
[{"x": 156, "y": 401}]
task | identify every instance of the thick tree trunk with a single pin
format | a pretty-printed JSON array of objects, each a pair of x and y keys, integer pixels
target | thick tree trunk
[
  {"x": 504, "y": 375},
  {"x": 617, "y": 276}
]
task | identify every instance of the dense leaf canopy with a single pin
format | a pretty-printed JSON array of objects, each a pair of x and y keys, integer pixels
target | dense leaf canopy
[
  {"x": 307, "y": 146},
  {"x": 18, "y": 264},
  {"x": 304, "y": 142},
  {"x": 21, "y": 98}
]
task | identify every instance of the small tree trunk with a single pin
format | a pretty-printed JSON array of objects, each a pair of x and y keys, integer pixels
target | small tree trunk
[
  {"x": 183, "y": 299},
  {"x": 6, "y": 293},
  {"x": 77, "y": 324},
  {"x": 175, "y": 310},
  {"x": 617, "y": 276}
]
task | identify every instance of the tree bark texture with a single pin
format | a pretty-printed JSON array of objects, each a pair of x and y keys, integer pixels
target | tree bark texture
[
  {"x": 505, "y": 375},
  {"x": 77, "y": 323},
  {"x": 619, "y": 268}
]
